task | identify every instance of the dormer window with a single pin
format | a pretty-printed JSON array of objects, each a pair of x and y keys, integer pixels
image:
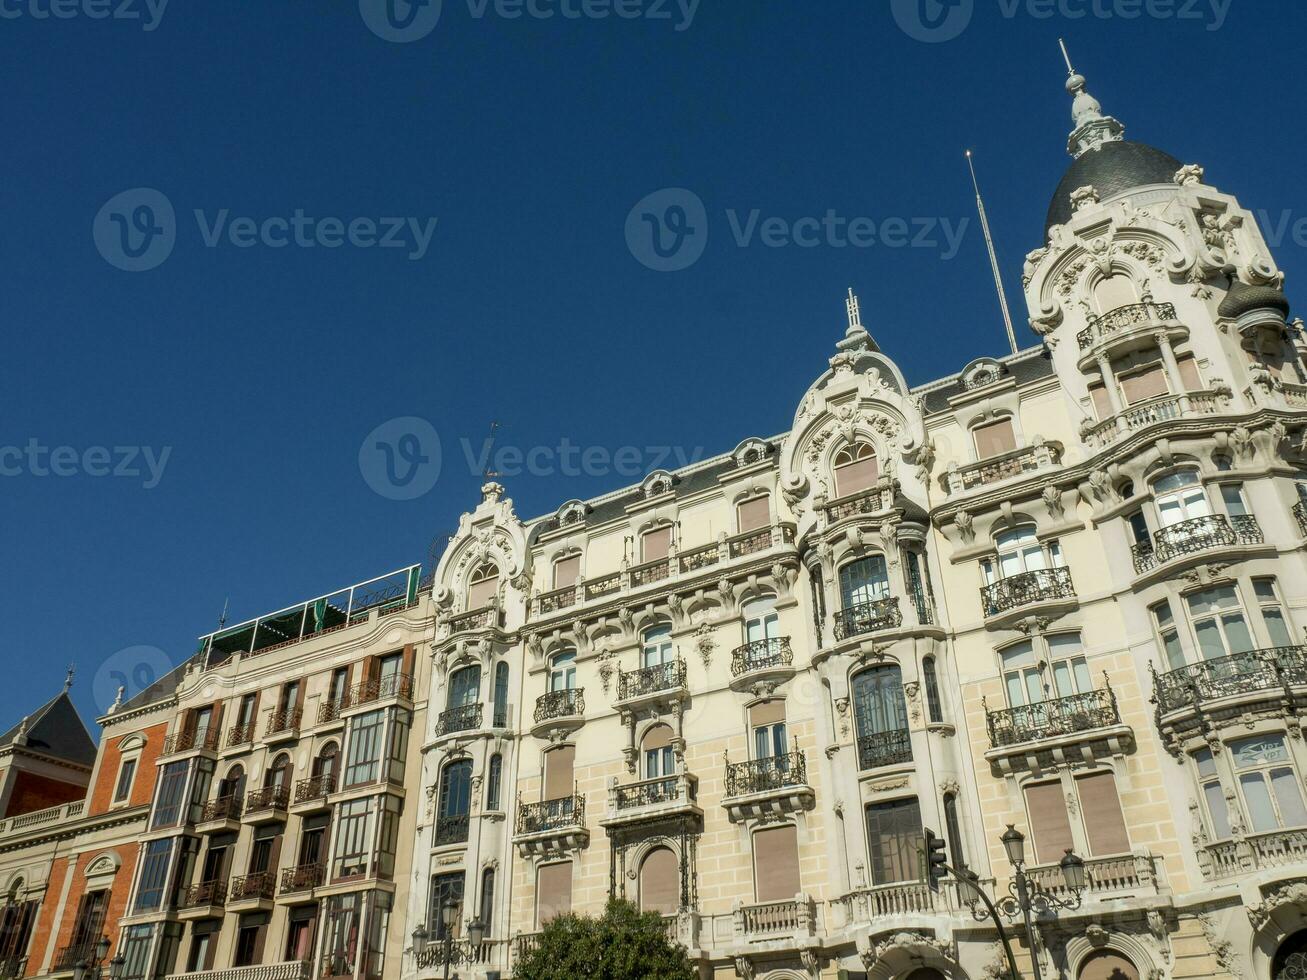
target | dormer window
[
  {"x": 855, "y": 469},
  {"x": 483, "y": 586}
]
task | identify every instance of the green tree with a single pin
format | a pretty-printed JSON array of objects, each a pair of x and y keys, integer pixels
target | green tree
[{"x": 624, "y": 944}]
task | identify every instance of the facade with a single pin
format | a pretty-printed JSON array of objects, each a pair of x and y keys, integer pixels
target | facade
[{"x": 1061, "y": 590}]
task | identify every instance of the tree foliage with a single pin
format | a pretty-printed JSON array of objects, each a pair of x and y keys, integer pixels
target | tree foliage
[{"x": 624, "y": 944}]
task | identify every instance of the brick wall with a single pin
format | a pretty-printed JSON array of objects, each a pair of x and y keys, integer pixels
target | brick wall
[
  {"x": 122, "y": 884},
  {"x": 45, "y": 917},
  {"x": 32, "y": 792},
  {"x": 101, "y": 796}
]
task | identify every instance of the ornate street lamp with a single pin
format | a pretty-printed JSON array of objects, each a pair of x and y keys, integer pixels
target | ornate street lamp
[{"x": 92, "y": 969}]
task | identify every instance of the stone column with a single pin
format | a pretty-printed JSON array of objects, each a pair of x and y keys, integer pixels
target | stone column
[
  {"x": 1109, "y": 385},
  {"x": 1172, "y": 369}
]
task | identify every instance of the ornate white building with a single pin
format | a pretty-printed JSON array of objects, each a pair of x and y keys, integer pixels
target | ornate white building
[{"x": 1062, "y": 590}]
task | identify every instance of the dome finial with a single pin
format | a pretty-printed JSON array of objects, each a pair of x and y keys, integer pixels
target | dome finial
[{"x": 1093, "y": 129}]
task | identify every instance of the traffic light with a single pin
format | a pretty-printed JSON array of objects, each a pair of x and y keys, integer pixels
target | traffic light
[{"x": 936, "y": 859}]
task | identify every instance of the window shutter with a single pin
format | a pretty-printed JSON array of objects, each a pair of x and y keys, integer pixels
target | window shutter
[
  {"x": 1049, "y": 824},
  {"x": 658, "y": 737},
  {"x": 657, "y": 543},
  {"x": 995, "y": 438},
  {"x": 755, "y": 513},
  {"x": 1189, "y": 376},
  {"x": 860, "y": 475},
  {"x": 660, "y": 884},
  {"x": 560, "y": 766},
  {"x": 567, "y": 571},
  {"x": 1102, "y": 404},
  {"x": 553, "y": 891},
  {"x": 767, "y": 713},
  {"x": 480, "y": 593},
  {"x": 1101, "y": 809},
  {"x": 776, "y": 863},
  {"x": 1150, "y": 383}
]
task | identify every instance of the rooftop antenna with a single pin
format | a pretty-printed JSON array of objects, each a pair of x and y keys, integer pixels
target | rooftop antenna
[
  {"x": 1065, "y": 56},
  {"x": 68, "y": 681},
  {"x": 855, "y": 313},
  {"x": 489, "y": 473},
  {"x": 222, "y": 620},
  {"x": 993, "y": 258}
]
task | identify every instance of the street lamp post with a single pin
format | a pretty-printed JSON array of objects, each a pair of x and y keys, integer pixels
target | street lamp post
[
  {"x": 92, "y": 969},
  {"x": 449, "y": 910},
  {"x": 1026, "y": 897}
]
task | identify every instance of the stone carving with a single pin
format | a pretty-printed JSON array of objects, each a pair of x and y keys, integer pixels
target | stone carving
[
  {"x": 1292, "y": 893},
  {"x": 1083, "y": 197},
  {"x": 1053, "y": 499},
  {"x": 966, "y": 525},
  {"x": 1189, "y": 175},
  {"x": 705, "y": 644}
]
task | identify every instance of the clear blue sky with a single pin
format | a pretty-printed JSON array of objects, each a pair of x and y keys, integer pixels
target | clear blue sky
[{"x": 530, "y": 141}]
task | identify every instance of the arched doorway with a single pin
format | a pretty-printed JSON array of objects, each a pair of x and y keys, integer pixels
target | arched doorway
[
  {"x": 1291, "y": 958},
  {"x": 1107, "y": 964}
]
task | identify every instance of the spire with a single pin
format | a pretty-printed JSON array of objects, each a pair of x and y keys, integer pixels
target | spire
[
  {"x": 1093, "y": 129},
  {"x": 68, "y": 681},
  {"x": 856, "y": 336}
]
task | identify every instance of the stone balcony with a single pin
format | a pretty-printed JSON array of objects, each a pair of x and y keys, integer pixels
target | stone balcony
[
  {"x": 1128, "y": 327},
  {"x": 762, "y": 665},
  {"x": 877, "y": 500},
  {"x": 1247, "y": 853},
  {"x": 558, "y": 713},
  {"x": 964, "y": 477},
  {"x": 793, "y": 920},
  {"x": 1074, "y": 729},
  {"x": 294, "y": 970},
  {"x": 551, "y": 826},
  {"x": 1042, "y": 592},
  {"x": 476, "y": 620},
  {"x": 652, "y": 800},
  {"x": 657, "y": 686},
  {"x": 1200, "y": 536},
  {"x": 1114, "y": 877},
  {"x": 1145, "y": 414},
  {"x": 767, "y": 787}
]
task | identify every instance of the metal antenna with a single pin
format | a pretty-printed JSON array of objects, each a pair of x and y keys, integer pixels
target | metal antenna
[
  {"x": 1065, "y": 56},
  {"x": 993, "y": 258},
  {"x": 222, "y": 620},
  {"x": 488, "y": 473}
]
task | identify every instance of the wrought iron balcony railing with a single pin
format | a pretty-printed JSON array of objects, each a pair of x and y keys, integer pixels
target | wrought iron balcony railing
[
  {"x": 68, "y": 957},
  {"x": 868, "y": 617},
  {"x": 451, "y": 828},
  {"x": 1300, "y": 515},
  {"x": 890, "y": 748},
  {"x": 240, "y": 735},
  {"x": 378, "y": 689},
  {"x": 1194, "y": 536},
  {"x": 203, "y": 738},
  {"x": 765, "y": 654},
  {"x": 1209, "y": 680},
  {"x": 464, "y": 718},
  {"x": 475, "y": 619},
  {"x": 315, "y": 787},
  {"x": 252, "y": 887},
  {"x": 560, "y": 704},
  {"x": 1051, "y": 719},
  {"x": 284, "y": 721},
  {"x": 669, "y": 676},
  {"x": 267, "y": 798},
  {"x": 647, "y": 792},
  {"x": 1027, "y": 588},
  {"x": 1122, "y": 318},
  {"x": 871, "y": 501},
  {"x": 303, "y": 878},
  {"x": 329, "y": 711},
  {"x": 771, "y": 773},
  {"x": 535, "y": 818},
  {"x": 206, "y": 893},
  {"x": 223, "y": 808}
]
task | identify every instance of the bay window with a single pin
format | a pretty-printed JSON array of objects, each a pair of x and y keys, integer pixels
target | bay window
[
  {"x": 1270, "y": 787},
  {"x": 363, "y": 756}
]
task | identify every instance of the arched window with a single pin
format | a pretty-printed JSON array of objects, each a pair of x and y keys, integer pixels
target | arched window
[
  {"x": 994, "y": 438},
  {"x": 656, "y": 646},
  {"x": 855, "y": 469},
  {"x": 1019, "y": 551},
  {"x": 493, "y": 779},
  {"x": 864, "y": 580},
  {"x": 1115, "y": 292},
  {"x": 562, "y": 671},
  {"x": 660, "y": 882},
  {"x": 326, "y": 765},
  {"x": 279, "y": 773},
  {"x": 953, "y": 828},
  {"x": 1107, "y": 964},
  {"x": 455, "y": 802},
  {"x": 233, "y": 784},
  {"x": 656, "y": 750},
  {"x": 501, "y": 694},
  {"x": 464, "y": 687},
  {"x": 881, "y": 715},
  {"x": 1180, "y": 497},
  {"x": 483, "y": 586},
  {"x": 488, "y": 899},
  {"x": 930, "y": 681}
]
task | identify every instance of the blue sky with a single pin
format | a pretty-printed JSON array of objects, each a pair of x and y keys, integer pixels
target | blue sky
[{"x": 261, "y": 370}]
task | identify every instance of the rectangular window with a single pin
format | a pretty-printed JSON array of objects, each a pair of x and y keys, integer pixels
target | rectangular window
[
  {"x": 553, "y": 891},
  {"x": 894, "y": 839},
  {"x": 776, "y": 863},
  {"x": 1189, "y": 375},
  {"x": 1213, "y": 794},
  {"x": 1232, "y": 495},
  {"x": 169, "y": 796},
  {"x": 567, "y": 571},
  {"x": 994, "y": 439},
  {"x": 343, "y": 915},
  {"x": 1268, "y": 783},
  {"x": 1049, "y": 824},
  {"x": 559, "y": 772},
  {"x": 1145, "y": 384},
  {"x": 656, "y": 544},
  {"x": 754, "y": 514},
  {"x": 300, "y": 933},
  {"x": 1070, "y": 669},
  {"x": 1102, "y": 402},
  {"x": 249, "y": 939},
  {"x": 136, "y": 951},
  {"x": 156, "y": 858},
  {"x": 388, "y": 836},
  {"x": 363, "y": 762},
  {"x": 1219, "y": 623},
  {"x": 1021, "y": 675},
  {"x": 1168, "y": 634},
  {"x": 353, "y": 838},
  {"x": 1273, "y": 618},
  {"x": 126, "y": 776},
  {"x": 444, "y": 888},
  {"x": 339, "y": 683},
  {"x": 88, "y": 926},
  {"x": 399, "y": 731},
  {"x": 493, "y": 780},
  {"x": 1100, "y": 808},
  {"x": 863, "y": 580}
]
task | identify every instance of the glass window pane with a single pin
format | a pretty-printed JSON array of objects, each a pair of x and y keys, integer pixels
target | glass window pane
[
  {"x": 1264, "y": 588},
  {"x": 1237, "y": 633},
  {"x": 1210, "y": 642},
  {"x": 1174, "y": 653},
  {"x": 1288, "y": 797},
  {"x": 1034, "y": 685},
  {"x": 1216, "y": 809},
  {"x": 1062, "y": 679},
  {"x": 1232, "y": 494},
  {"x": 1081, "y": 668},
  {"x": 1016, "y": 691},
  {"x": 1206, "y": 762},
  {"x": 1277, "y": 628},
  {"x": 1257, "y": 797},
  {"x": 1162, "y": 613},
  {"x": 1257, "y": 751}
]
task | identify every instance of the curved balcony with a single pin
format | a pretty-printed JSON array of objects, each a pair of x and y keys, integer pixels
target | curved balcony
[
  {"x": 1125, "y": 325},
  {"x": 1044, "y": 591},
  {"x": 762, "y": 664},
  {"x": 1196, "y": 537},
  {"x": 863, "y": 618},
  {"x": 464, "y": 718},
  {"x": 1244, "y": 854},
  {"x": 474, "y": 620},
  {"x": 559, "y": 712},
  {"x": 649, "y": 686},
  {"x": 1076, "y": 728},
  {"x": 877, "y": 500},
  {"x": 879, "y": 749},
  {"x": 771, "y": 786},
  {"x": 551, "y": 826},
  {"x": 1145, "y": 414},
  {"x": 997, "y": 469}
]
